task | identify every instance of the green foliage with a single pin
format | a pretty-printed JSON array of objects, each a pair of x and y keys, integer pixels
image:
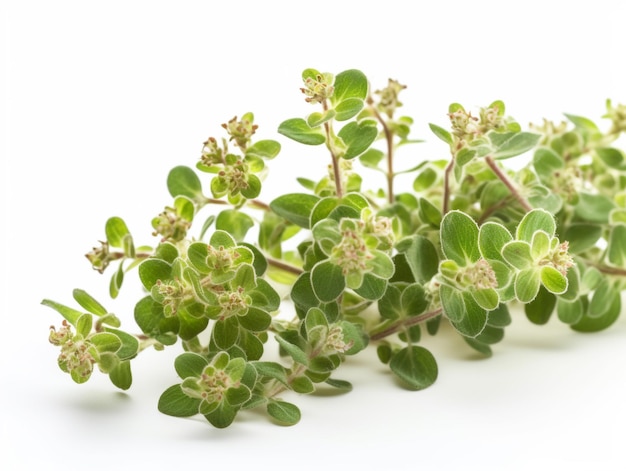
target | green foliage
[{"x": 357, "y": 267}]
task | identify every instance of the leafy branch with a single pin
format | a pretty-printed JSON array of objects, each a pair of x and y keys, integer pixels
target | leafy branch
[{"x": 362, "y": 267}]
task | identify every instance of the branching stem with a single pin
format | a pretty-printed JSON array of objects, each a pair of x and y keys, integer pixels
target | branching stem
[
  {"x": 405, "y": 323},
  {"x": 504, "y": 179}
]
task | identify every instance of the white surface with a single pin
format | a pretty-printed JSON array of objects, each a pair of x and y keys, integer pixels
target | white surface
[{"x": 104, "y": 98}]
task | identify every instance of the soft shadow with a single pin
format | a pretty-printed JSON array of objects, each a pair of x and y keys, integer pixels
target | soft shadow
[{"x": 99, "y": 402}]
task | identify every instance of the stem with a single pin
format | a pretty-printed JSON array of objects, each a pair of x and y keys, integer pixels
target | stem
[
  {"x": 604, "y": 269},
  {"x": 334, "y": 158},
  {"x": 403, "y": 324},
  {"x": 284, "y": 266},
  {"x": 389, "y": 138},
  {"x": 253, "y": 203},
  {"x": 504, "y": 179}
]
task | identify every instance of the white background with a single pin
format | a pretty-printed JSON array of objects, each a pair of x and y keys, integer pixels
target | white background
[{"x": 103, "y": 98}]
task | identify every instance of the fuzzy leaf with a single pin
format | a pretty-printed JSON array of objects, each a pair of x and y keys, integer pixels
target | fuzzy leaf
[
  {"x": 121, "y": 375},
  {"x": 116, "y": 230},
  {"x": 350, "y": 83},
  {"x": 441, "y": 133},
  {"x": 176, "y": 403},
  {"x": 415, "y": 367},
  {"x": 459, "y": 238},
  {"x": 88, "y": 303},
  {"x": 535, "y": 220},
  {"x": 285, "y": 413},
  {"x": 357, "y": 136},
  {"x": 553, "y": 280},
  {"x": 266, "y": 148},
  {"x": 327, "y": 280},
  {"x": 183, "y": 181},
  {"x": 190, "y": 364},
  {"x": 474, "y": 320},
  {"x": 510, "y": 144},
  {"x": 295, "y": 208},
  {"x": 616, "y": 250},
  {"x": 539, "y": 310},
  {"x": 300, "y": 131}
]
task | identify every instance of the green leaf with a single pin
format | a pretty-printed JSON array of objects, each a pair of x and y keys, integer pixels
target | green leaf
[
  {"x": 130, "y": 344},
  {"x": 570, "y": 312},
  {"x": 546, "y": 161},
  {"x": 582, "y": 236},
  {"x": 510, "y": 144},
  {"x": 535, "y": 220},
  {"x": 183, "y": 181},
  {"x": 339, "y": 384},
  {"x": 271, "y": 369},
  {"x": 327, "y": 281},
  {"x": 425, "y": 179},
  {"x": 452, "y": 302},
  {"x": 222, "y": 416},
  {"x": 492, "y": 237},
  {"x": 190, "y": 364},
  {"x": 315, "y": 318},
  {"x": 459, "y": 238},
  {"x": 486, "y": 298},
  {"x": 152, "y": 270},
  {"x": 121, "y": 375},
  {"x": 372, "y": 287},
  {"x": 348, "y": 108},
  {"x": 285, "y": 413},
  {"x": 316, "y": 119},
  {"x": 414, "y": 300},
  {"x": 299, "y": 130},
  {"x": 596, "y": 323},
  {"x": 295, "y": 208},
  {"x": 84, "y": 325},
  {"x": 267, "y": 149},
  {"x": 441, "y": 133},
  {"x": 88, "y": 303},
  {"x": 390, "y": 304},
  {"x": 106, "y": 342},
  {"x": 582, "y": 122},
  {"x": 302, "y": 293},
  {"x": 616, "y": 249},
  {"x": 540, "y": 308},
  {"x": 421, "y": 256},
  {"x": 116, "y": 281},
  {"x": 302, "y": 385},
  {"x": 371, "y": 158},
  {"x": 614, "y": 158},
  {"x": 553, "y": 280},
  {"x": 527, "y": 284},
  {"x": 429, "y": 213},
  {"x": 225, "y": 332},
  {"x": 254, "y": 187},
  {"x": 295, "y": 352},
  {"x": 234, "y": 222},
  {"x": 349, "y": 84},
  {"x": 71, "y": 315},
  {"x": 353, "y": 334},
  {"x": 415, "y": 367},
  {"x": 474, "y": 320},
  {"x": 357, "y": 136},
  {"x": 237, "y": 396},
  {"x": 175, "y": 402},
  {"x": 256, "y": 320},
  {"x": 116, "y": 231},
  {"x": 593, "y": 208},
  {"x": 518, "y": 254}
]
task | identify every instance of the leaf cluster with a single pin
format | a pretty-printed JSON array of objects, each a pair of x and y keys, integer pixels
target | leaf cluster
[{"x": 358, "y": 267}]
